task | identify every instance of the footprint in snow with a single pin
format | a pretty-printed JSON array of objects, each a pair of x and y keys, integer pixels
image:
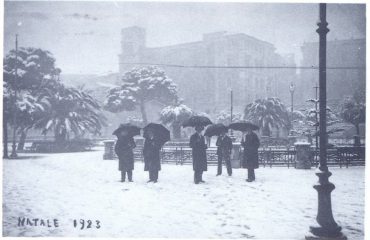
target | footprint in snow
[{"x": 244, "y": 235}]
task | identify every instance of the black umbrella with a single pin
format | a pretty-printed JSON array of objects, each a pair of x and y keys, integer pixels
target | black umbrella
[
  {"x": 215, "y": 130},
  {"x": 132, "y": 130},
  {"x": 160, "y": 133},
  {"x": 197, "y": 121},
  {"x": 243, "y": 126}
]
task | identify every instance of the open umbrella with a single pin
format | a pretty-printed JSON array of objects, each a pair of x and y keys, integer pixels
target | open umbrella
[
  {"x": 243, "y": 126},
  {"x": 196, "y": 121},
  {"x": 131, "y": 129},
  {"x": 161, "y": 133},
  {"x": 215, "y": 130}
]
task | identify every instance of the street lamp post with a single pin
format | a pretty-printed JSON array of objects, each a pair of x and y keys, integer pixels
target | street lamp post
[
  {"x": 231, "y": 105},
  {"x": 291, "y": 89},
  {"x": 327, "y": 225},
  {"x": 14, "y": 151},
  {"x": 316, "y": 120},
  {"x": 231, "y": 113}
]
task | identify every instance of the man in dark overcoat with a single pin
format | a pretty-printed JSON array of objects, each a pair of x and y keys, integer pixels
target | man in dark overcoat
[
  {"x": 199, "y": 146},
  {"x": 250, "y": 143},
  {"x": 224, "y": 146},
  {"x": 152, "y": 160},
  {"x": 124, "y": 150}
]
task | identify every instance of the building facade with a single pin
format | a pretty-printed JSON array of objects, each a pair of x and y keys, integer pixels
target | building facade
[
  {"x": 226, "y": 56},
  {"x": 347, "y": 57}
]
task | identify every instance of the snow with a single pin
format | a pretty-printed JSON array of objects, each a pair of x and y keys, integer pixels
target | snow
[{"x": 281, "y": 204}]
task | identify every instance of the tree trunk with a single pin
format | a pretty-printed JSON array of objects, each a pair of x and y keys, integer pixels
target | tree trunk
[
  {"x": 143, "y": 113},
  {"x": 357, "y": 136},
  {"x": 22, "y": 139},
  {"x": 357, "y": 129},
  {"x": 176, "y": 129},
  {"x": 266, "y": 131},
  {"x": 61, "y": 137},
  {"x": 5, "y": 136}
]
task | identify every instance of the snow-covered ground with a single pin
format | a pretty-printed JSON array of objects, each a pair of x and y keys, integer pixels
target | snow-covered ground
[{"x": 281, "y": 204}]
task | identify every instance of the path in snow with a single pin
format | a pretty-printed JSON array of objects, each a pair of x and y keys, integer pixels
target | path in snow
[{"x": 281, "y": 204}]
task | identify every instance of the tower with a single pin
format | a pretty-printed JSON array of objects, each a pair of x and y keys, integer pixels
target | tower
[{"x": 133, "y": 43}]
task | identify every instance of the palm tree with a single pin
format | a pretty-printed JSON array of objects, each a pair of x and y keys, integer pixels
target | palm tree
[
  {"x": 224, "y": 117},
  {"x": 175, "y": 115},
  {"x": 267, "y": 113},
  {"x": 72, "y": 111},
  {"x": 29, "y": 110},
  {"x": 353, "y": 111}
]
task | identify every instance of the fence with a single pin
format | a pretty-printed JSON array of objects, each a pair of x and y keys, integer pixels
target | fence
[{"x": 268, "y": 157}]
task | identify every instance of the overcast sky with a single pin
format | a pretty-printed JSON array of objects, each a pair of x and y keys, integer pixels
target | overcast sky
[{"x": 85, "y": 36}]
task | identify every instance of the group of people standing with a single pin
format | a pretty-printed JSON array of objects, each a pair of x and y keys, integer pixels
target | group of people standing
[
  {"x": 151, "y": 152},
  {"x": 124, "y": 150},
  {"x": 250, "y": 144}
]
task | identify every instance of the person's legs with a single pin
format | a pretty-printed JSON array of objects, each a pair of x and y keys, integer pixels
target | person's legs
[
  {"x": 123, "y": 176},
  {"x": 155, "y": 176},
  {"x": 253, "y": 177},
  {"x": 201, "y": 176},
  {"x": 129, "y": 175},
  {"x": 228, "y": 165},
  {"x": 219, "y": 165},
  {"x": 196, "y": 181},
  {"x": 250, "y": 174}
]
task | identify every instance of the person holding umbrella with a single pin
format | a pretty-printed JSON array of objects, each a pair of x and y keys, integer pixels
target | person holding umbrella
[
  {"x": 124, "y": 149},
  {"x": 155, "y": 136},
  {"x": 250, "y": 143},
  {"x": 224, "y": 146},
  {"x": 198, "y": 145}
]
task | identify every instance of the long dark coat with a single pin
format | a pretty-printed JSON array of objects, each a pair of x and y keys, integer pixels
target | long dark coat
[
  {"x": 151, "y": 155},
  {"x": 250, "y": 154},
  {"x": 199, "y": 146},
  {"x": 224, "y": 145},
  {"x": 124, "y": 150}
]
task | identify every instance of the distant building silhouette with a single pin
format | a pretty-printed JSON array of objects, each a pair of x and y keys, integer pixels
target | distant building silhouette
[
  {"x": 340, "y": 82},
  {"x": 208, "y": 89}
]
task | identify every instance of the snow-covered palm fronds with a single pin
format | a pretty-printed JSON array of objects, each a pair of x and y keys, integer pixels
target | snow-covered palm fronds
[
  {"x": 354, "y": 111},
  {"x": 225, "y": 117},
  {"x": 267, "y": 113},
  {"x": 175, "y": 115},
  {"x": 72, "y": 111}
]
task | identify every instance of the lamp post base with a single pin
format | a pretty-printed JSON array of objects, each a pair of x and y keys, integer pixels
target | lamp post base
[
  {"x": 327, "y": 228},
  {"x": 313, "y": 237}
]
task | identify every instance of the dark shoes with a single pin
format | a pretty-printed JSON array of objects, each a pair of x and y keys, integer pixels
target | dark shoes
[
  {"x": 218, "y": 174},
  {"x": 149, "y": 181},
  {"x": 250, "y": 180}
]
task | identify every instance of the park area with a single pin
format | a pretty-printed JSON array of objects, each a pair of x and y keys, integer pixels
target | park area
[{"x": 280, "y": 204}]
